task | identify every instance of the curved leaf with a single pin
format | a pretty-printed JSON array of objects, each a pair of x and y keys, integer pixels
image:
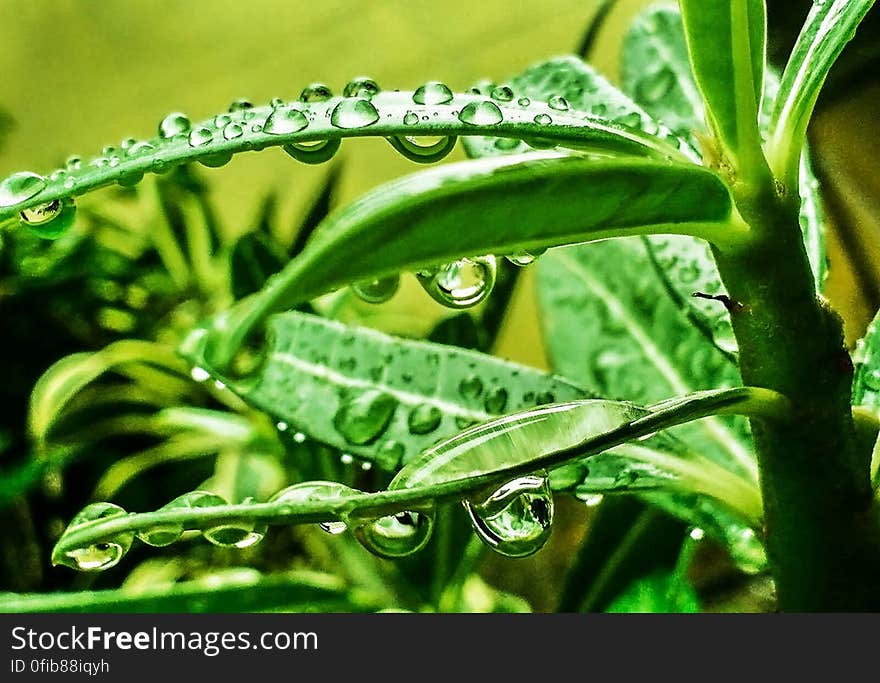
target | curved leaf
[
  {"x": 491, "y": 206},
  {"x": 830, "y": 25},
  {"x": 387, "y": 114}
]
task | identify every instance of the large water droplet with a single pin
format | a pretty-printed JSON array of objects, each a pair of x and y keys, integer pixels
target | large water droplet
[
  {"x": 316, "y": 92},
  {"x": 166, "y": 534},
  {"x": 377, "y": 291},
  {"x": 354, "y": 113},
  {"x": 174, "y": 124},
  {"x": 362, "y": 86},
  {"x": 237, "y": 533},
  {"x": 316, "y": 491},
  {"x": 285, "y": 120},
  {"x": 200, "y": 136},
  {"x": 423, "y": 149},
  {"x": 20, "y": 187},
  {"x": 462, "y": 283},
  {"x": 50, "y": 220},
  {"x": 484, "y": 113},
  {"x": 313, "y": 152},
  {"x": 515, "y": 520},
  {"x": 558, "y": 102},
  {"x": 101, "y": 555},
  {"x": 397, "y": 535},
  {"x": 363, "y": 415},
  {"x": 424, "y": 418},
  {"x": 432, "y": 92},
  {"x": 502, "y": 93}
]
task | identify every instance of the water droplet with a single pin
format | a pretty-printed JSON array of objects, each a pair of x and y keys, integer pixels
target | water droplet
[
  {"x": 502, "y": 93},
  {"x": 346, "y": 458},
  {"x": 462, "y": 283},
  {"x": 281, "y": 426},
  {"x": 20, "y": 187},
  {"x": 276, "y": 102},
  {"x": 73, "y": 163},
  {"x": 631, "y": 120},
  {"x": 496, "y": 401},
  {"x": 285, "y": 120},
  {"x": 354, "y": 113},
  {"x": 871, "y": 379},
  {"x": 377, "y": 291},
  {"x": 484, "y": 113},
  {"x": 41, "y": 213},
  {"x": 558, "y": 102},
  {"x": 101, "y": 555},
  {"x": 471, "y": 386},
  {"x": 544, "y": 397},
  {"x": 316, "y": 92},
  {"x": 363, "y": 416},
  {"x": 299, "y": 437},
  {"x": 424, "y": 149},
  {"x": 313, "y": 492},
  {"x": 593, "y": 500},
  {"x": 166, "y": 534},
  {"x": 543, "y": 119},
  {"x": 241, "y": 104},
  {"x": 174, "y": 124},
  {"x": 50, "y": 220},
  {"x": 362, "y": 86},
  {"x": 424, "y": 418},
  {"x": 411, "y": 118},
  {"x": 515, "y": 520},
  {"x": 389, "y": 455},
  {"x": 697, "y": 534},
  {"x": 524, "y": 258},
  {"x": 654, "y": 87},
  {"x": 221, "y": 121},
  {"x": 397, "y": 535},
  {"x": 140, "y": 148},
  {"x": 523, "y": 101},
  {"x": 242, "y": 533},
  {"x": 199, "y": 374},
  {"x": 200, "y": 136},
  {"x": 313, "y": 152},
  {"x": 232, "y": 131},
  {"x": 432, "y": 92}
]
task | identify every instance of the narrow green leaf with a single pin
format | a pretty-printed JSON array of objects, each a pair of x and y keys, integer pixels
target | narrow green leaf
[
  {"x": 296, "y": 124},
  {"x": 239, "y": 592},
  {"x": 726, "y": 43},
  {"x": 660, "y": 593},
  {"x": 830, "y": 25},
  {"x": 382, "y": 398},
  {"x": 866, "y": 384},
  {"x": 519, "y": 203}
]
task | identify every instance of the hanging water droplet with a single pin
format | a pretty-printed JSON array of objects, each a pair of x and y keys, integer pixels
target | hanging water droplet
[
  {"x": 232, "y": 131},
  {"x": 50, "y": 220},
  {"x": 502, "y": 93},
  {"x": 101, "y": 555},
  {"x": 362, "y": 86},
  {"x": 462, "y": 283},
  {"x": 470, "y": 386},
  {"x": 543, "y": 119},
  {"x": 285, "y": 120},
  {"x": 20, "y": 187},
  {"x": 525, "y": 258},
  {"x": 424, "y": 418},
  {"x": 200, "y": 136},
  {"x": 312, "y": 492},
  {"x": 496, "y": 401},
  {"x": 558, "y": 102},
  {"x": 484, "y": 113},
  {"x": 377, "y": 291},
  {"x": 316, "y": 92},
  {"x": 174, "y": 124},
  {"x": 424, "y": 149},
  {"x": 241, "y": 533},
  {"x": 411, "y": 118},
  {"x": 354, "y": 113},
  {"x": 432, "y": 92},
  {"x": 161, "y": 535},
  {"x": 397, "y": 535},
  {"x": 316, "y": 152},
  {"x": 362, "y": 416},
  {"x": 241, "y": 104},
  {"x": 515, "y": 520}
]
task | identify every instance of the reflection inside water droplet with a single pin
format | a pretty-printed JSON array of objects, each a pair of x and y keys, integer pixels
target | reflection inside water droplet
[
  {"x": 462, "y": 283},
  {"x": 377, "y": 291},
  {"x": 397, "y": 535},
  {"x": 315, "y": 491}
]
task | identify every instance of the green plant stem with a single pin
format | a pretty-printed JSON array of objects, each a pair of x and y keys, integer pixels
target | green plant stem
[{"x": 821, "y": 526}]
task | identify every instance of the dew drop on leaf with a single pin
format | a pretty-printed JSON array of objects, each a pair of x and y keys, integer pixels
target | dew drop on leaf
[
  {"x": 50, "y": 220},
  {"x": 515, "y": 520},
  {"x": 241, "y": 533},
  {"x": 354, "y": 113},
  {"x": 462, "y": 283},
  {"x": 471, "y": 386},
  {"x": 524, "y": 258},
  {"x": 523, "y": 101},
  {"x": 397, "y": 535},
  {"x": 231, "y": 131},
  {"x": 20, "y": 187},
  {"x": 363, "y": 416},
  {"x": 316, "y": 152},
  {"x": 313, "y": 492},
  {"x": 496, "y": 401},
  {"x": 484, "y": 113},
  {"x": 424, "y": 149},
  {"x": 558, "y": 102},
  {"x": 432, "y": 92},
  {"x": 502, "y": 93},
  {"x": 166, "y": 534},
  {"x": 316, "y": 92},
  {"x": 362, "y": 86},
  {"x": 101, "y": 555},
  {"x": 424, "y": 419},
  {"x": 174, "y": 124},
  {"x": 285, "y": 120},
  {"x": 200, "y": 136},
  {"x": 377, "y": 291},
  {"x": 410, "y": 118},
  {"x": 542, "y": 119},
  {"x": 241, "y": 104}
]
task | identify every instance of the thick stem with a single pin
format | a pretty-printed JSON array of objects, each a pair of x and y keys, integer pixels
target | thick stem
[{"x": 822, "y": 529}]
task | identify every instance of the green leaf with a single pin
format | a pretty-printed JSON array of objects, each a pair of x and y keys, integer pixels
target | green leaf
[
  {"x": 243, "y": 591},
  {"x": 382, "y": 398},
  {"x": 296, "y": 124},
  {"x": 253, "y": 260},
  {"x": 866, "y": 383},
  {"x": 830, "y": 25},
  {"x": 726, "y": 44},
  {"x": 659, "y": 593},
  {"x": 583, "y": 89},
  {"x": 491, "y": 206}
]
